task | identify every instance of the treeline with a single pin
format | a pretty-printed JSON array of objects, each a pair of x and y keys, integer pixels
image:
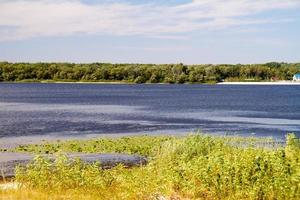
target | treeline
[{"x": 147, "y": 73}]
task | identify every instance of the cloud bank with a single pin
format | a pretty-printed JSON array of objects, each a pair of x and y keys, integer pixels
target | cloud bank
[{"x": 23, "y": 19}]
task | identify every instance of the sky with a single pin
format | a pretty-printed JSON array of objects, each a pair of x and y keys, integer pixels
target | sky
[{"x": 153, "y": 31}]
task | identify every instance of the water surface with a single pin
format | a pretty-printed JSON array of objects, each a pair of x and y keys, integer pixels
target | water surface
[{"x": 79, "y": 110}]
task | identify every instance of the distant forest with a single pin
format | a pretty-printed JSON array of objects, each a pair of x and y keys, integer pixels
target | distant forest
[{"x": 146, "y": 73}]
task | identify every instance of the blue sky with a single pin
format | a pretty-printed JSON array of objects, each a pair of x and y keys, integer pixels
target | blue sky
[{"x": 140, "y": 31}]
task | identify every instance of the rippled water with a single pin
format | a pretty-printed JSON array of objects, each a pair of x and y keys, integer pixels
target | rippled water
[{"x": 35, "y": 109}]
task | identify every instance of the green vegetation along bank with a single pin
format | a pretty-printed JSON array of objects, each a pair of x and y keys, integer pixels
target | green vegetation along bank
[
  {"x": 191, "y": 167},
  {"x": 145, "y": 73}
]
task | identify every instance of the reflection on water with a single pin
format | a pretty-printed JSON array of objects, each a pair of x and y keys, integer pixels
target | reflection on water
[{"x": 90, "y": 109}]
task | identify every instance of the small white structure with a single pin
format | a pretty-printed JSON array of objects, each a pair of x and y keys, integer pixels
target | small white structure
[{"x": 296, "y": 77}]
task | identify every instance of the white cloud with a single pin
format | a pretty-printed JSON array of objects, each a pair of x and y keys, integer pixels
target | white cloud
[{"x": 22, "y": 19}]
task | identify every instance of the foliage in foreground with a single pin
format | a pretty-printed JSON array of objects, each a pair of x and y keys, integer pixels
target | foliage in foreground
[{"x": 192, "y": 167}]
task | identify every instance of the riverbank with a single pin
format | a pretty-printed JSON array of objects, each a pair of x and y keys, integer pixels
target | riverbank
[
  {"x": 71, "y": 82},
  {"x": 133, "y": 83},
  {"x": 190, "y": 167},
  {"x": 12, "y": 142},
  {"x": 103, "y": 82},
  {"x": 145, "y": 73},
  {"x": 260, "y": 83}
]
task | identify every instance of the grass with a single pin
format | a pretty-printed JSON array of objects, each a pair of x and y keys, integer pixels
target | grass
[
  {"x": 142, "y": 145},
  {"x": 191, "y": 167}
]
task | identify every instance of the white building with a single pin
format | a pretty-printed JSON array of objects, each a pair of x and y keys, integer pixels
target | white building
[{"x": 296, "y": 77}]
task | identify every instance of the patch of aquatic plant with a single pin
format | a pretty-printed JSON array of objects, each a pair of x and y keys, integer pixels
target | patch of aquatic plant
[
  {"x": 192, "y": 167},
  {"x": 142, "y": 145}
]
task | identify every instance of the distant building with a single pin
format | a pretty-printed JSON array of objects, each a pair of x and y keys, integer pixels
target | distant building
[{"x": 296, "y": 77}]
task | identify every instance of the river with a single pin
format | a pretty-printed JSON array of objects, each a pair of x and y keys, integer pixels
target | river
[{"x": 82, "y": 110}]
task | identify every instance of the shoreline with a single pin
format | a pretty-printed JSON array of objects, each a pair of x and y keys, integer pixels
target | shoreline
[
  {"x": 90, "y": 82},
  {"x": 82, "y": 82},
  {"x": 10, "y": 142},
  {"x": 107, "y": 82},
  {"x": 132, "y": 83},
  {"x": 260, "y": 83}
]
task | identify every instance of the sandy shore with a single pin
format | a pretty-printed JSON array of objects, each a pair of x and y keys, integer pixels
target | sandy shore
[{"x": 261, "y": 83}]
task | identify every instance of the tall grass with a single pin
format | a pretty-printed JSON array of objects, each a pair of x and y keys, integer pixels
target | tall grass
[{"x": 192, "y": 167}]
